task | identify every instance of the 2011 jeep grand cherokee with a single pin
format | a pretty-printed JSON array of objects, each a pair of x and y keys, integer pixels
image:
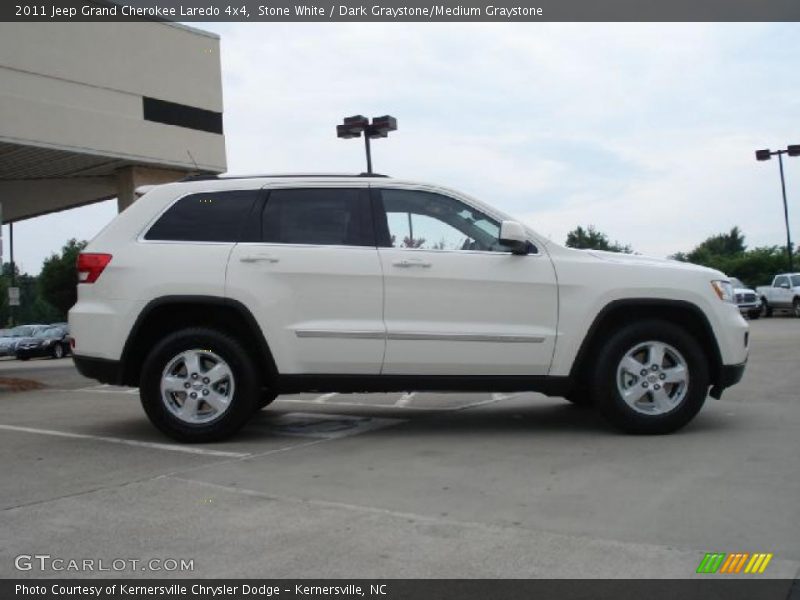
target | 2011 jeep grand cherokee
[{"x": 215, "y": 295}]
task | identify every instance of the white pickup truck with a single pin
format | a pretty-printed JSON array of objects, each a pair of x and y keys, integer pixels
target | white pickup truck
[{"x": 783, "y": 294}]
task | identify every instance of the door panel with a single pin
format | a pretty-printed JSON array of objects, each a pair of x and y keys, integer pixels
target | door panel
[
  {"x": 320, "y": 305},
  {"x": 461, "y": 312}
]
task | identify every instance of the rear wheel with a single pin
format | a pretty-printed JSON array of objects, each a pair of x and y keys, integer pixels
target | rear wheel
[
  {"x": 199, "y": 385},
  {"x": 651, "y": 378}
]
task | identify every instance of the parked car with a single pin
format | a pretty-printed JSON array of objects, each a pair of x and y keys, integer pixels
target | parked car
[
  {"x": 6, "y": 343},
  {"x": 746, "y": 299},
  {"x": 783, "y": 294},
  {"x": 215, "y": 295},
  {"x": 47, "y": 341},
  {"x": 9, "y": 341}
]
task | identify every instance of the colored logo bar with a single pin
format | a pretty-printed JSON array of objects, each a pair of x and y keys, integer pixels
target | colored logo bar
[{"x": 735, "y": 562}]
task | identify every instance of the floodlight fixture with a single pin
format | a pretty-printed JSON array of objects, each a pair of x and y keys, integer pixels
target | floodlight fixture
[
  {"x": 763, "y": 154},
  {"x": 353, "y": 127}
]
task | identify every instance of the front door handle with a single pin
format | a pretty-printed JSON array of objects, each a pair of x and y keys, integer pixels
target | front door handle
[
  {"x": 411, "y": 262},
  {"x": 252, "y": 258}
]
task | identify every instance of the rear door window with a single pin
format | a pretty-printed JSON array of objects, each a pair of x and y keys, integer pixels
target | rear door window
[
  {"x": 206, "y": 217},
  {"x": 318, "y": 216}
]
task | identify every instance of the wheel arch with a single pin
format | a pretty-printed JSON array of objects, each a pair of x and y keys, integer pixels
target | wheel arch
[
  {"x": 168, "y": 314},
  {"x": 620, "y": 312}
]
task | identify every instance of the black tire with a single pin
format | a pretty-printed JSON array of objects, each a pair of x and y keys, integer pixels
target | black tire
[
  {"x": 267, "y": 398},
  {"x": 754, "y": 314},
  {"x": 796, "y": 307},
  {"x": 58, "y": 351},
  {"x": 23, "y": 358},
  {"x": 608, "y": 398},
  {"x": 245, "y": 378},
  {"x": 766, "y": 309}
]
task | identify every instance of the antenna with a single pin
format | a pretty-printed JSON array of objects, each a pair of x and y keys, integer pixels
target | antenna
[{"x": 194, "y": 162}]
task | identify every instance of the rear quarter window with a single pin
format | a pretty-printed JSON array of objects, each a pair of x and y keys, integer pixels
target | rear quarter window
[
  {"x": 318, "y": 216},
  {"x": 205, "y": 217}
]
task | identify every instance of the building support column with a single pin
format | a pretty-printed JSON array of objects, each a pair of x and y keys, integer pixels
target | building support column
[
  {"x": 126, "y": 187},
  {"x": 130, "y": 178}
]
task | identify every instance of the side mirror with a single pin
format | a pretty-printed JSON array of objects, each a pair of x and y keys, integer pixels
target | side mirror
[
  {"x": 513, "y": 234},
  {"x": 784, "y": 286}
]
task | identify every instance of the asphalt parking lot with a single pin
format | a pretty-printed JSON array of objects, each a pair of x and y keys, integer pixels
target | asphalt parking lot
[{"x": 405, "y": 485}]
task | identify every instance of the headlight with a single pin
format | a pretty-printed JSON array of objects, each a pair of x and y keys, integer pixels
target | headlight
[{"x": 724, "y": 291}]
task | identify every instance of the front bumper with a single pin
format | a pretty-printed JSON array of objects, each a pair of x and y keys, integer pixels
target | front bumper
[
  {"x": 728, "y": 375},
  {"x": 32, "y": 352},
  {"x": 748, "y": 308}
]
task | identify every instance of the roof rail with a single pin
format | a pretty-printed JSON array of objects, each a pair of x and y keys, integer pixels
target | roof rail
[{"x": 207, "y": 177}]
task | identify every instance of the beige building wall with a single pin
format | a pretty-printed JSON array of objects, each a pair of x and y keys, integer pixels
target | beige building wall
[{"x": 72, "y": 119}]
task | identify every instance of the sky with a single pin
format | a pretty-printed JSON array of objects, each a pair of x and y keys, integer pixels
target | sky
[{"x": 646, "y": 131}]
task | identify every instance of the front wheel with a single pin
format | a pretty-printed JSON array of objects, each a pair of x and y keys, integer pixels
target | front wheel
[
  {"x": 754, "y": 314},
  {"x": 199, "y": 385},
  {"x": 58, "y": 351},
  {"x": 766, "y": 309},
  {"x": 796, "y": 307},
  {"x": 651, "y": 378}
]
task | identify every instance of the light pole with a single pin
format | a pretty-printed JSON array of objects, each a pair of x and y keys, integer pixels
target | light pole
[
  {"x": 352, "y": 127},
  {"x": 793, "y": 150}
]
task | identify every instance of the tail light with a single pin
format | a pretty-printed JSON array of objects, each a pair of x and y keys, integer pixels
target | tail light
[{"x": 91, "y": 265}]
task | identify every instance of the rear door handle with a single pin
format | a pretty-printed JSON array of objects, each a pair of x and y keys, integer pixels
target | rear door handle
[
  {"x": 411, "y": 262},
  {"x": 252, "y": 258}
]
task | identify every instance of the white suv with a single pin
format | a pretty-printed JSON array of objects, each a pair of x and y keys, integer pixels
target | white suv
[{"x": 214, "y": 295}]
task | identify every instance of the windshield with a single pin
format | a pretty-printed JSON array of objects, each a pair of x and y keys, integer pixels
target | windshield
[
  {"x": 23, "y": 331},
  {"x": 53, "y": 332}
]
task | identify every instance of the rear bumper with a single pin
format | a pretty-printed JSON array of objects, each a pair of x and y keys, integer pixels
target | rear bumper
[
  {"x": 729, "y": 375},
  {"x": 101, "y": 369}
]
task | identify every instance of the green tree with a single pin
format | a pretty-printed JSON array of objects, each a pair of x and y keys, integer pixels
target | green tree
[
  {"x": 593, "y": 239},
  {"x": 722, "y": 244},
  {"x": 58, "y": 281},
  {"x": 727, "y": 252},
  {"x": 32, "y": 307}
]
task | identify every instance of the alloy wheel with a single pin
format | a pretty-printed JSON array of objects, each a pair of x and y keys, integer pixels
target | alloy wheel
[
  {"x": 197, "y": 386},
  {"x": 653, "y": 378}
]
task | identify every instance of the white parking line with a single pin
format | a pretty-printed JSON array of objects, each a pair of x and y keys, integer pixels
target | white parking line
[
  {"x": 501, "y": 397},
  {"x": 405, "y": 399},
  {"x": 360, "y": 404},
  {"x": 114, "y": 440},
  {"x": 100, "y": 389},
  {"x": 396, "y": 405},
  {"x": 324, "y": 398}
]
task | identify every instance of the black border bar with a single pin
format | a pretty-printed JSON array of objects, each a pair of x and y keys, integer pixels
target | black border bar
[
  {"x": 402, "y": 10},
  {"x": 703, "y": 587}
]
